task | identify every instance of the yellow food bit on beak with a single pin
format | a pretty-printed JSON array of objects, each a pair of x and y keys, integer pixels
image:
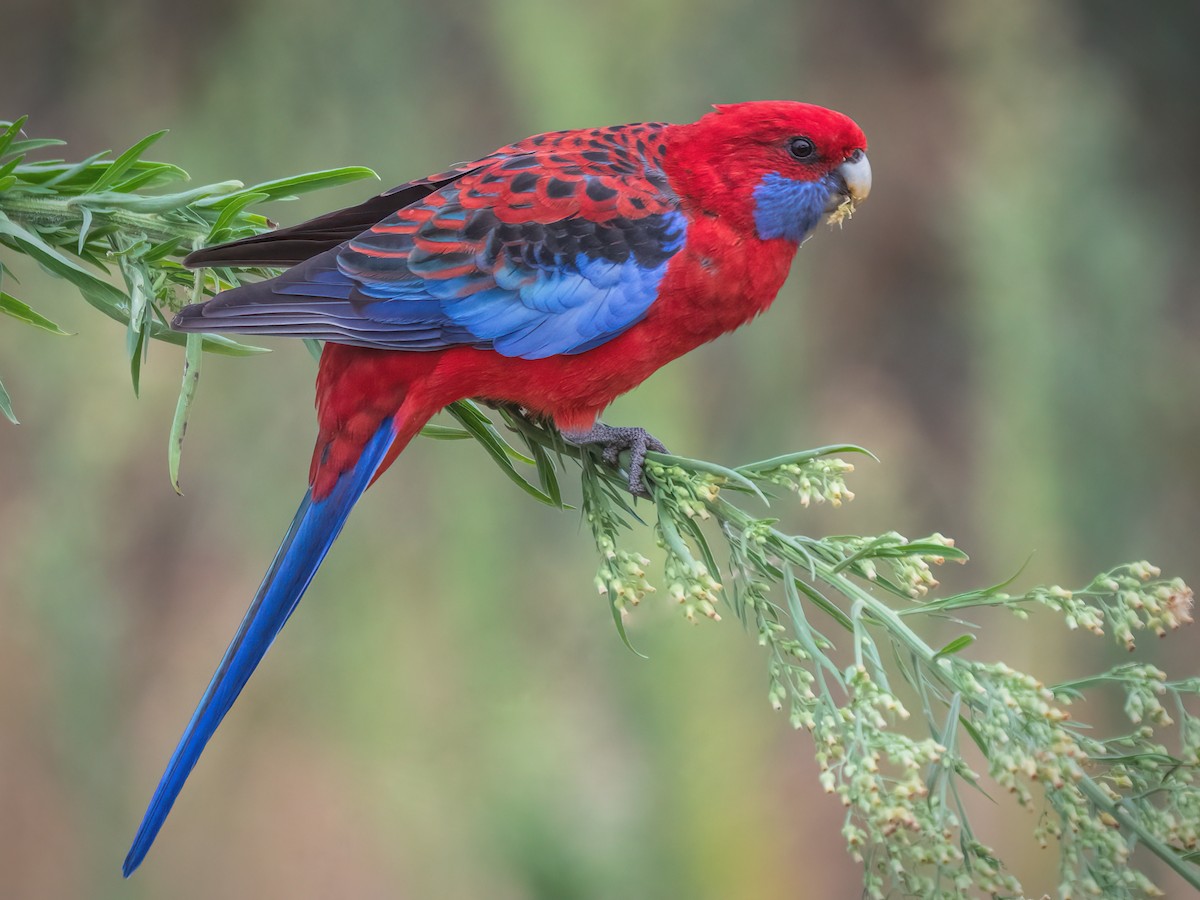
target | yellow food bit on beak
[{"x": 844, "y": 211}]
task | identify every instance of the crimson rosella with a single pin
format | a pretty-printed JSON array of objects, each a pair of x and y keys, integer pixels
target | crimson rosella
[{"x": 554, "y": 274}]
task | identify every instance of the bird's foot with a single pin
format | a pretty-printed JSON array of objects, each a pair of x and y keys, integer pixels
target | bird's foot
[{"x": 614, "y": 440}]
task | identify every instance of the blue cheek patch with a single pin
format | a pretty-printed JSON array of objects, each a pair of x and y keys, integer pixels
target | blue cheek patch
[{"x": 789, "y": 209}]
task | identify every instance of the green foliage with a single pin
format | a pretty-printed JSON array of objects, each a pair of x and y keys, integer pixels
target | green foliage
[
  {"x": 1098, "y": 796},
  {"x": 81, "y": 220},
  {"x": 900, "y": 778}
]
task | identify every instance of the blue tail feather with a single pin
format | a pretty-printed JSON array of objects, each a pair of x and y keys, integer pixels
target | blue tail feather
[{"x": 313, "y": 530}]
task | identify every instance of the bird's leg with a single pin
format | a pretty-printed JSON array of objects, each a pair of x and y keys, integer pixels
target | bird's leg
[{"x": 636, "y": 440}]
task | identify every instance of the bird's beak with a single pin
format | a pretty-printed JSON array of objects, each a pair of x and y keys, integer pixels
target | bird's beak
[{"x": 852, "y": 181}]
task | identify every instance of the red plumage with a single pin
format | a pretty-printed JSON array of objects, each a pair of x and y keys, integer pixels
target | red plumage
[{"x": 724, "y": 276}]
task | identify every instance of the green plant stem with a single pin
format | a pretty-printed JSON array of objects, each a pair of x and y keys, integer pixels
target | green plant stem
[
  {"x": 1096, "y": 794},
  {"x": 831, "y": 574},
  {"x": 41, "y": 213}
]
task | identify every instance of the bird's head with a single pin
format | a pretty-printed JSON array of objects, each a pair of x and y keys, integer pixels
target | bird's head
[{"x": 772, "y": 168}]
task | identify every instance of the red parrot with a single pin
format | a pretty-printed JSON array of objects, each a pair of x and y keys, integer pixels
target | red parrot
[{"x": 554, "y": 274}]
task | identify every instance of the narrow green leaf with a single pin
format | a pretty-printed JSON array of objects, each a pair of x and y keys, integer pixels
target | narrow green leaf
[
  {"x": 959, "y": 643},
  {"x": 7, "y": 181},
  {"x": 734, "y": 476},
  {"x": 22, "y": 148},
  {"x": 213, "y": 343},
  {"x": 929, "y": 548},
  {"x": 870, "y": 550},
  {"x": 162, "y": 250},
  {"x": 220, "y": 344},
  {"x": 11, "y": 306},
  {"x": 444, "y": 433},
  {"x": 47, "y": 176},
  {"x": 85, "y": 227},
  {"x": 619, "y": 621},
  {"x": 157, "y": 203},
  {"x": 979, "y": 597},
  {"x": 10, "y": 133},
  {"x": 805, "y": 633},
  {"x": 670, "y": 533},
  {"x": 130, "y": 248},
  {"x": 231, "y": 211},
  {"x": 187, "y": 392},
  {"x": 616, "y": 490},
  {"x": 122, "y": 163},
  {"x": 547, "y": 477},
  {"x": 469, "y": 408},
  {"x": 139, "y": 305},
  {"x": 948, "y": 738},
  {"x": 137, "y": 356},
  {"x": 692, "y": 527},
  {"x": 975, "y": 735},
  {"x": 803, "y": 457},
  {"x": 821, "y": 601},
  {"x": 297, "y": 184},
  {"x": 6, "y": 405},
  {"x": 469, "y": 416},
  {"x": 152, "y": 174}
]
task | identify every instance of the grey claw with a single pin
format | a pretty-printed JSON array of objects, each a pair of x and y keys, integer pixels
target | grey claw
[{"x": 638, "y": 441}]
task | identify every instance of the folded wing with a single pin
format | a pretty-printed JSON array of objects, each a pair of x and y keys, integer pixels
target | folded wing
[{"x": 538, "y": 250}]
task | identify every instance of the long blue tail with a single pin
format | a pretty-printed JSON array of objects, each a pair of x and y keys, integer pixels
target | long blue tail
[{"x": 316, "y": 525}]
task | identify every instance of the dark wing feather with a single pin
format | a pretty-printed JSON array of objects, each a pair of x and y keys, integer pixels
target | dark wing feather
[{"x": 296, "y": 243}]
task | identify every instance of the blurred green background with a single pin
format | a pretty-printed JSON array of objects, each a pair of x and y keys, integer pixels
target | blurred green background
[{"x": 1010, "y": 323}]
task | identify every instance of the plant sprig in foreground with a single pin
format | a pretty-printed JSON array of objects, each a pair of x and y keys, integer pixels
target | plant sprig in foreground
[
  {"x": 79, "y": 221},
  {"x": 1098, "y": 797}
]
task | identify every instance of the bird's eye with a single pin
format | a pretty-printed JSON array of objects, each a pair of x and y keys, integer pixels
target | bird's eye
[{"x": 801, "y": 148}]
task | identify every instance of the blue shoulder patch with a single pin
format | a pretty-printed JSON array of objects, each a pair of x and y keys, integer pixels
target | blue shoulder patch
[{"x": 566, "y": 308}]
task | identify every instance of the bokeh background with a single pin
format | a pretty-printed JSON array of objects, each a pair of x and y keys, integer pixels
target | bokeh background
[{"x": 1010, "y": 323}]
